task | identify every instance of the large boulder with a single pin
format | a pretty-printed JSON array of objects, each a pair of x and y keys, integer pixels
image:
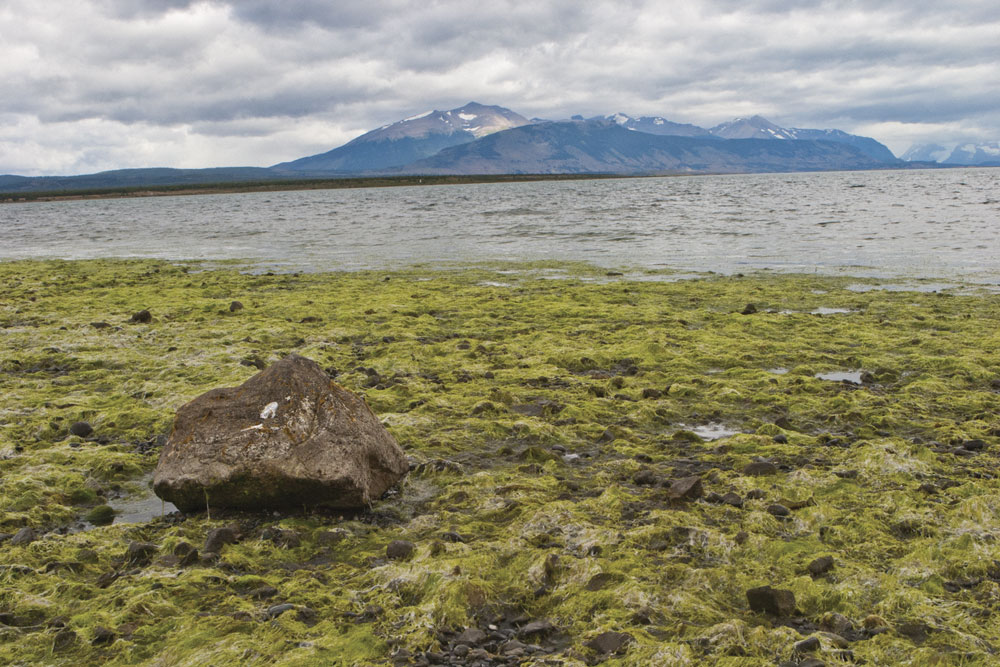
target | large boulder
[{"x": 288, "y": 437}]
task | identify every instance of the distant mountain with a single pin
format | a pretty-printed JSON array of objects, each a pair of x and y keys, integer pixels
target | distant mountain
[
  {"x": 658, "y": 125},
  {"x": 981, "y": 155},
  {"x": 926, "y": 153},
  {"x": 410, "y": 139},
  {"x": 755, "y": 127},
  {"x": 601, "y": 146},
  {"x": 758, "y": 127}
]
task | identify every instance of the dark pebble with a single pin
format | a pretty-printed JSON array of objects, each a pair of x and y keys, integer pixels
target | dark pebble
[
  {"x": 100, "y": 325},
  {"x": 142, "y": 317},
  {"x": 608, "y": 643},
  {"x": 974, "y": 445},
  {"x": 651, "y": 393},
  {"x": 749, "y": 309},
  {"x": 781, "y": 439},
  {"x": 218, "y": 538},
  {"x": 540, "y": 627},
  {"x": 400, "y": 550},
  {"x": 760, "y": 468},
  {"x": 774, "y": 601},
  {"x": 755, "y": 494},
  {"x": 645, "y": 478},
  {"x": 140, "y": 553},
  {"x": 81, "y": 429},
  {"x": 732, "y": 499},
  {"x": 807, "y": 645},
  {"x": 778, "y": 510},
  {"x": 820, "y": 566},
  {"x": 102, "y": 637},
  {"x": 63, "y": 640},
  {"x": 234, "y": 306}
]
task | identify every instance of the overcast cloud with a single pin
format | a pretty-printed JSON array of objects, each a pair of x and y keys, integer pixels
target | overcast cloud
[{"x": 90, "y": 85}]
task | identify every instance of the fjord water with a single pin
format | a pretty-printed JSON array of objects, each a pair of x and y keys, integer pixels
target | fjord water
[{"x": 933, "y": 223}]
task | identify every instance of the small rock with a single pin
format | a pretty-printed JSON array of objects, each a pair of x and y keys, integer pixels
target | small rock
[
  {"x": 218, "y": 538},
  {"x": 24, "y": 536},
  {"x": 741, "y": 537},
  {"x": 806, "y": 645},
  {"x": 976, "y": 445},
  {"x": 651, "y": 393},
  {"x": 749, "y": 309},
  {"x": 400, "y": 550},
  {"x": 140, "y": 553},
  {"x": 330, "y": 537},
  {"x": 460, "y": 650},
  {"x": 687, "y": 488},
  {"x": 781, "y": 439},
  {"x": 759, "y": 469},
  {"x": 777, "y": 602},
  {"x": 102, "y": 515},
  {"x": 778, "y": 510},
  {"x": 265, "y": 592},
  {"x": 756, "y": 494},
  {"x": 81, "y": 429},
  {"x": 732, "y": 499},
  {"x": 540, "y": 627},
  {"x": 645, "y": 478},
  {"x": 608, "y": 643},
  {"x": 63, "y": 640},
  {"x": 820, "y": 566},
  {"x": 102, "y": 636},
  {"x": 471, "y": 636},
  {"x": 279, "y": 609},
  {"x": 100, "y": 325},
  {"x": 235, "y": 306},
  {"x": 142, "y": 317}
]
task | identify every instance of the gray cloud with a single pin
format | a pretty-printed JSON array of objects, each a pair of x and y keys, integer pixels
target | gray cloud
[{"x": 115, "y": 83}]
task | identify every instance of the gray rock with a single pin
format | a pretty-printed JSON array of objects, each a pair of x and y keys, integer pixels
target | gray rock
[
  {"x": 687, "y": 488},
  {"x": 279, "y": 609},
  {"x": 24, "y": 536},
  {"x": 142, "y": 317},
  {"x": 777, "y": 602},
  {"x": 287, "y": 437},
  {"x": 807, "y": 645},
  {"x": 778, "y": 510},
  {"x": 471, "y": 636},
  {"x": 102, "y": 636},
  {"x": 235, "y": 306},
  {"x": 610, "y": 642}
]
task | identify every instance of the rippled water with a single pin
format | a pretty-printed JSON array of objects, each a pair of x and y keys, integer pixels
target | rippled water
[{"x": 941, "y": 223}]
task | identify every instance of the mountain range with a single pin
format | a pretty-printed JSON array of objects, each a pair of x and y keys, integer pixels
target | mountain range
[
  {"x": 478, "y": 139},
  {"x": 985, "y": 154}
]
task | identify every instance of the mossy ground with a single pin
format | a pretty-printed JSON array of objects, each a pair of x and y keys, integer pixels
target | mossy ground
[{"x": 547, "y": 418}]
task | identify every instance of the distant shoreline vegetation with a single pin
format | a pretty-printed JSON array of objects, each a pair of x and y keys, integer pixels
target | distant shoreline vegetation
[{"x": 289, "y": 185}]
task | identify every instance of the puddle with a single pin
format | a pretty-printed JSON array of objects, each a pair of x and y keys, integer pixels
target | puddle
[
  {"x": 493, "y": 283},
  {"x": 777, "y": 371},
  {"x": 853, "y": 377},
  {"x": 710, "y": 431},
  {"x": 140, "y": 509},
  {"x": 830, "y": 311}
]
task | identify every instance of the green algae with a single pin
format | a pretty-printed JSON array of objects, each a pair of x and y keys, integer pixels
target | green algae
[{"x": 532, "y": 398}]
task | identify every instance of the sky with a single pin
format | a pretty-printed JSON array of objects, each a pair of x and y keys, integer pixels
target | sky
[{"x": 90, "y": 85}]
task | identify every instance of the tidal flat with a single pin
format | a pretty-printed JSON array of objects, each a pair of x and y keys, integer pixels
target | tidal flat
[{"x": 551, "y": 413}]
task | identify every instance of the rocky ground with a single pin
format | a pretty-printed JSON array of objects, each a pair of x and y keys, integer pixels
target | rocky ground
[{"x": 613, "y": 469}]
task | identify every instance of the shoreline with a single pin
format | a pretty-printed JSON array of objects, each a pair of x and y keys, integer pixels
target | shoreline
[{"x": 295, "y": 184}]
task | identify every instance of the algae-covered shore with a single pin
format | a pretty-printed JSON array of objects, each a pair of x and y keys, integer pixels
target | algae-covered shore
[{"x": 549, "y": 412}]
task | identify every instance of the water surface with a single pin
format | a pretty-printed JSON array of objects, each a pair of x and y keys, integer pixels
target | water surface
[{"x": 934, "y": 223}]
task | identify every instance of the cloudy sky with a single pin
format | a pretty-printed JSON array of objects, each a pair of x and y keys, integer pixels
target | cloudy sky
[{"x": 89, "y": 85}]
